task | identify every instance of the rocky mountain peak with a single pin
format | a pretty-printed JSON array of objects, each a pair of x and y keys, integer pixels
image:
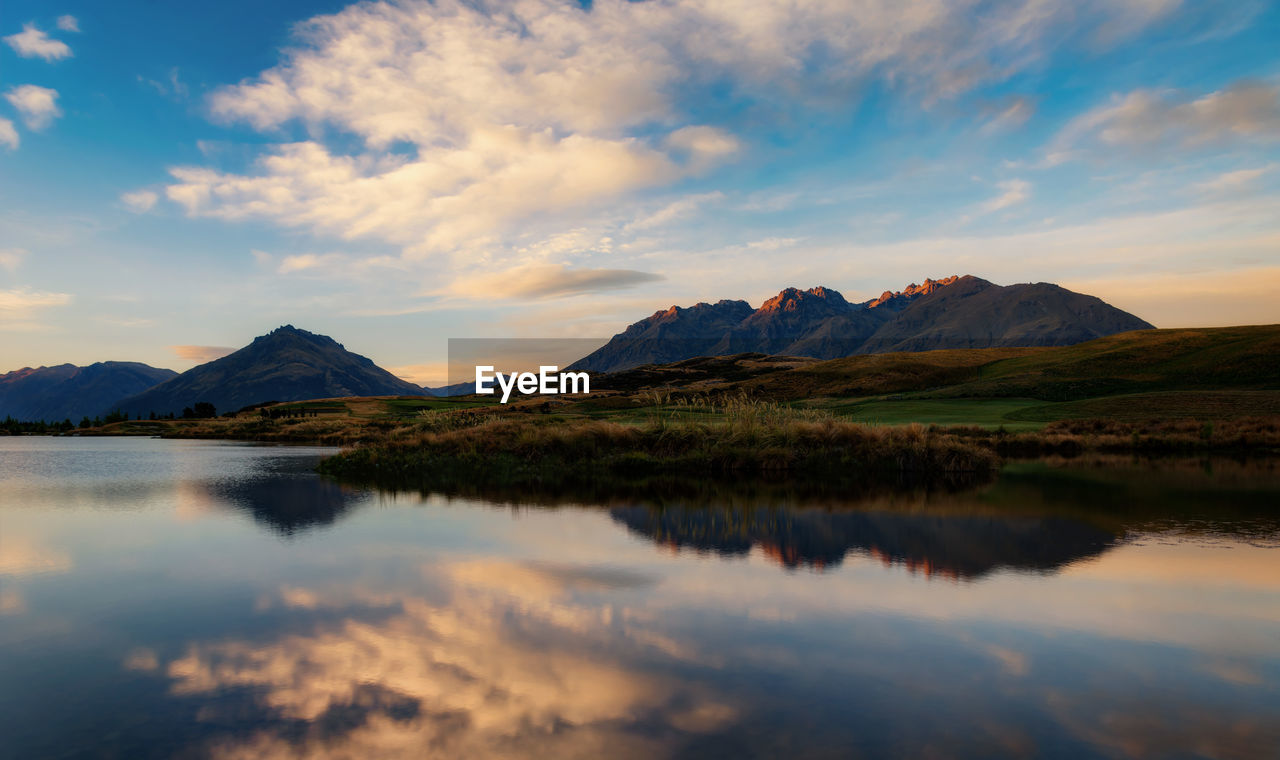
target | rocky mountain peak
[
  {"x": 794, "y": 299},
  {"x": 913, "y": 290}
]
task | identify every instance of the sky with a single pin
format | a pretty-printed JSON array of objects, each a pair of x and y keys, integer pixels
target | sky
[{"x": 176, "y": 178}]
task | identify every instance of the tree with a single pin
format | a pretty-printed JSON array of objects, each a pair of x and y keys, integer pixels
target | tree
[
  {"x": 84, "y": 423},
  {"x": 188, "y": 413},
  {"x": 204, "y": 410}
]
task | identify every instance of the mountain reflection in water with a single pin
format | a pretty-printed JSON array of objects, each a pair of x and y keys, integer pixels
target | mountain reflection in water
[
  {"x": 165, "y": 599},
  {"x": 288, "y": 503},
  {"x": 949, "y": 546}
]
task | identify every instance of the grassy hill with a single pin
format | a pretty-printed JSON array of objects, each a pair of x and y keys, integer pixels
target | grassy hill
[
  {"x": 1210, "y": 359},
  {"x": 1207, "y": 373},
  {"x": 1228, "y": 358}
]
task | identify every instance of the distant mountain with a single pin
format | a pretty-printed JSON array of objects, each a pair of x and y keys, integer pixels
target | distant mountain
[
  {"x": 954, "y": 312},
  {"x": 457, "y": 389},
  {"x": 287, "y": 364},
  {"x": 53, "y": 394}
]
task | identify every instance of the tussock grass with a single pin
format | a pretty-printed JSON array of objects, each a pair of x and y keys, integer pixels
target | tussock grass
[
  {"x": 1256, "y": 435},
  {"x": 750, "y": 436}
]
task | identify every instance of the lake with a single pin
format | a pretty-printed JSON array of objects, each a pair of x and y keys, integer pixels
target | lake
[{"x": 210, "y": 599}]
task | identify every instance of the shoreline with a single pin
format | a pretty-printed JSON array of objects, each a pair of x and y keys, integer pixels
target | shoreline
[{"x": 449, "y": 449}]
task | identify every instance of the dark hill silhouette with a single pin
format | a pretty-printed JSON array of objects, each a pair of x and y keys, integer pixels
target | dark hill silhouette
[
  {"x": 52, "y": 394},
  {"x": 287, "y": 364},
  {"x": 955, "y": 312}
]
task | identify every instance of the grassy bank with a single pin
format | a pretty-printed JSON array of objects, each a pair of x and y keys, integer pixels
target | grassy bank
[
  {"x": 757, "y": 438},
  {"x": 742, "y": 436}
]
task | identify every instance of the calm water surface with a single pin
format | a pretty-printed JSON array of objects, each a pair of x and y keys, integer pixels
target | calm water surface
[{"x": 207, "y": 599}]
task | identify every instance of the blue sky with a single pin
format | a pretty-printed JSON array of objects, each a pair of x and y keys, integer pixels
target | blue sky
[{"x": 177, "y": 178}]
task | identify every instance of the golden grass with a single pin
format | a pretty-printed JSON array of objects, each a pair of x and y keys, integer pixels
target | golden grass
[{"x": 747, "y": 436}]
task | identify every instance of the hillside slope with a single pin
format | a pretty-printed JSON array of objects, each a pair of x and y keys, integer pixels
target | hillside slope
[
  {"x": 1143, "y": 361},
  {"x": 287, "y": 364}
]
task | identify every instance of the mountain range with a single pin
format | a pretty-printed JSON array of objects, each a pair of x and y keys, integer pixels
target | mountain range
[
  {"x": 954, "y": 312},
  {"x": 286, "y": 364},
  {"x": 289, "y": 364},
  {"x": 69, "y": 392}
]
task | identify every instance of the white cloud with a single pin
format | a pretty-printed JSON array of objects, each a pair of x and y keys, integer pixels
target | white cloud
[
  {"x": 24, "y": 299},
  {"x": 139, "y": 201},
  {"x": 37, "y": 105},
  {"x": 1241, "y": 180},
  {"x": 1149, "y": 120},
  {"x": 444, "y": 199},
  {"x": 201, "y": 354},
  {"x": 68, "y": 23},
  {"x": 8, "y": 135},
  {"x": 547, "y": 281},
  {"x": 32, "y": 42},
  {"x": 703, "y": 146},
  {"x": 20, "y": 306},
  {"x": 1013, "y": 192},
  {"x": 475, "y": 121},
  {"x": 1009, "y": 114},
  {"x": 173, "y": 86},
  {"x": 675, "y": 210},
  {"x": 304, "y": 261},
  {"x": 11, "y": 258}
]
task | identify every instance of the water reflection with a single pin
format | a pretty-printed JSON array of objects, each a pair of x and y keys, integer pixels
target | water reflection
[
  {"x": 1038, "y": 517},
  {"x": 513, "y": 660},
  {"x": 287, "y": 503},
  {"x": 948, "y": 546},
  {"x": 228, "y": 604}
]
